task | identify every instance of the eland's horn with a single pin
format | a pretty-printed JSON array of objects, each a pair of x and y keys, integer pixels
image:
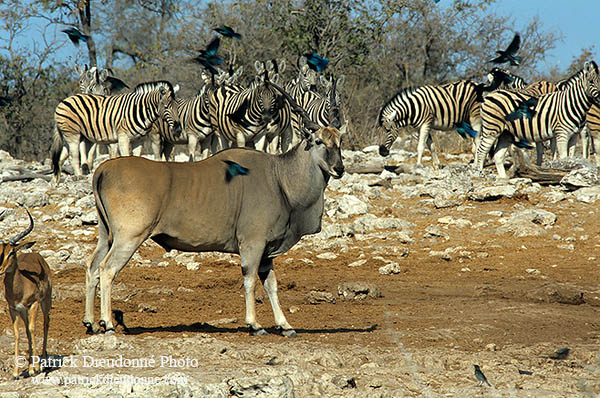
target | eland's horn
[
  {"x": 18, "y": 237},
  {"x": 334, "y": 109},
  {"x": 308, "y": 123}
]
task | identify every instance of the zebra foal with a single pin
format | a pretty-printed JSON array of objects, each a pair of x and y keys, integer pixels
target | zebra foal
[{"x": 559, "y": 114}]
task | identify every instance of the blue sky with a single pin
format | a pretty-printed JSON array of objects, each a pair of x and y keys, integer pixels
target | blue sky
[
  {"x": 568, "y": 18},
  {"x": 576, "y": 20}
]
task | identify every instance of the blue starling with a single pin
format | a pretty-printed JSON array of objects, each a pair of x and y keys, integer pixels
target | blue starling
[
  {"x": 480, "y": 376},
  {"x": 508, "y": 55}
]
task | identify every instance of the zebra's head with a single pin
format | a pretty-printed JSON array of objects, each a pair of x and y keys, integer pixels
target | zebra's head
[
  {"x": 592, "y": 81},
  {"x": 307, "y": 78},
  {"x": 91, "y": 81},
  {"x": 269, "y": 102},
  {"x": 167, "y": 106}
]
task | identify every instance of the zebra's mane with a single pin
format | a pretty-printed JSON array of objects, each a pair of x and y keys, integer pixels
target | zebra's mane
[
  {"x": 566, "y": 83},
  {"x": 147, "y": 87}
]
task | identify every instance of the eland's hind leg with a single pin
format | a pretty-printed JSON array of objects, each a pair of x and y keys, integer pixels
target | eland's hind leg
[
  {"x": 251, "y": 254},
  {"x": 92, "y": 276},
  {"x": 117, "y": 257}
]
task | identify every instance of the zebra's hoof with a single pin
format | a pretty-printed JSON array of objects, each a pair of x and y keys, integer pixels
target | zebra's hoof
[
  {"x": 109, "y": 331},
  {"x": 383, "y": 151}
]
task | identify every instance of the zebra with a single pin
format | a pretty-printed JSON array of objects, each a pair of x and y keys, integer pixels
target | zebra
[
  {"x": 560, "y": 114},
  {"x": 110, "y": 119},
  {"x": 257, "y": 114},
  {"x": 439, "y": 107},
  {"x": 504, "y": 80}
]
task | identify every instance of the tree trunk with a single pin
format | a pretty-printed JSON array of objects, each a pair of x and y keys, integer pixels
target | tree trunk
[{"x": 85, "y": 18}]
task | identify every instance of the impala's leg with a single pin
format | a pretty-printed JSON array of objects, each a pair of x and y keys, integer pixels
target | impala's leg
[
  {"x": 267, "y": 277},
  {"x": 46, "y": 304},
  {"x": 251, "y": 253},
  {"x": 92, "y": 275},
  {"x": 14, "y": 316},
  {"x": 116, "y": 258},
  {"x": 30, "y": 328}
]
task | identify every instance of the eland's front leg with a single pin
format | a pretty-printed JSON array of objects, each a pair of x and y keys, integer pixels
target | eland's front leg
[
  {"x": 251, "y": 256},
  {"x": 267, "y": 277}
]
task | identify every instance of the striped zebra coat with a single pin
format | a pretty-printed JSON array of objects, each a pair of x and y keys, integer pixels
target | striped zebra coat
[
  {"x": 256, "y": 115},
  {"x": 108, "y": 119},
  {"x": 439, "y": 107},
  {"x": 558, "y": 114}
]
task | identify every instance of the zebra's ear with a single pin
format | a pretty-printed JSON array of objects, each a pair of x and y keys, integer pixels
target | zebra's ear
[
  {"x": 259, "y": 67},
  {"x": 340, "y": 81},
  {"x": 102, "y": 75},
  {"x": 344, "y": 129},
  {"x": 281, "y": 65},
  {"x": 176, "y": 88},
  {"x": 590, "y": 66},
  {"x": 324, "y": 81}
]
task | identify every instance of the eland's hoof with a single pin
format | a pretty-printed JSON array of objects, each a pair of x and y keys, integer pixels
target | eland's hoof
[
  {"x": 289, "y": 333},
  {"x": 258, "y": 332},
  {"x": 89, "y": 328}
]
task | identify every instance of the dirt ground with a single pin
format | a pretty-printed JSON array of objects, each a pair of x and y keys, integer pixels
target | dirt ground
[{"x": 480, "y": 306}]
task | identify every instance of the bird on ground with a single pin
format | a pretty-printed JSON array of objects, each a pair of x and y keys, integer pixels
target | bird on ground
[
  {"x": 508, "y": 55},
  {"x": 524, "y": 108},
  {"x": 234, "y": 169},
  {"x": 560, "y": 354},
  {"x": 480, "y": 376},
  {"x": 75, "y": 35},
  {"x": 118, "y": 314},
  {"x": 464, "y": 129},
  {"x": 316, "y": 62},
  {"x": 228, "y": 32},
  {"x": 208, "y": 57}
]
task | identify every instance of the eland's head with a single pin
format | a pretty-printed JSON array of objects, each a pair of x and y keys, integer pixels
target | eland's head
[{"x": 327, "y": 153}]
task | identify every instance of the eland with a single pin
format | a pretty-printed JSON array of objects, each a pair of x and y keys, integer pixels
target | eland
[{"x": 240, "y": 200}]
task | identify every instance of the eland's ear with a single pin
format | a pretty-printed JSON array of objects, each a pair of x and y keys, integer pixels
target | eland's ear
[{"x": 340, "y": 81}]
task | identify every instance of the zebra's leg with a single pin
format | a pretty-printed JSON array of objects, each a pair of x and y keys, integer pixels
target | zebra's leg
[
  {"x": 585, "y": 143},
  {"x": 124, "y": 145},
  {"x": 240, "y": 140},
  {"x": 485, "y": 144},
  {"x": 156, "y": 143},
  {"x": 167, "y": 151},
  {"x": 475, "y": 121},
  {"x": 192, "y": 144},
  {"x": 432, "y": 145},
  {"x": 562, "y": 144},
  {"x": 423, "y": 138},
  {"x": 74, "y": 154},
  {"x": 207, "y": 145},
  {"x": 539, "y": 153},
  {"x": 553, "y": 148},
  {"x": 502, "y": 146},
  {"x": 113, "y": 150},
  {"x": 137, "y": 148}
]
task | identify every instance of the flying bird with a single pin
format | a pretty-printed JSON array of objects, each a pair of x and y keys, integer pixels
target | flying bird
[
  {"x": 115, "y": 84},
  {"x": 208, "y": 57},
  {"x": 508, "y": 55},
  {"x": 316, "y": 62},
  {"x": 75, "y": 35},
  {"x": 234, "y": 169},
  {"x": 523, "y": 144},
  {"x": 480, "y": 376},
  {"x": 228, "y": 32},
  {"x": 464, "y": 129},
  {"x": 524, "y": 108}
]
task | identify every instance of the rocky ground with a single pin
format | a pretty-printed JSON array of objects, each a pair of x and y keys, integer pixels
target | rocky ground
[{"x": 417, "y": 275}]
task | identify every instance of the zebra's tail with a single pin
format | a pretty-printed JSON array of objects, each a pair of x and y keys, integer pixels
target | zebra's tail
[{"x": 56, "y": 150}]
